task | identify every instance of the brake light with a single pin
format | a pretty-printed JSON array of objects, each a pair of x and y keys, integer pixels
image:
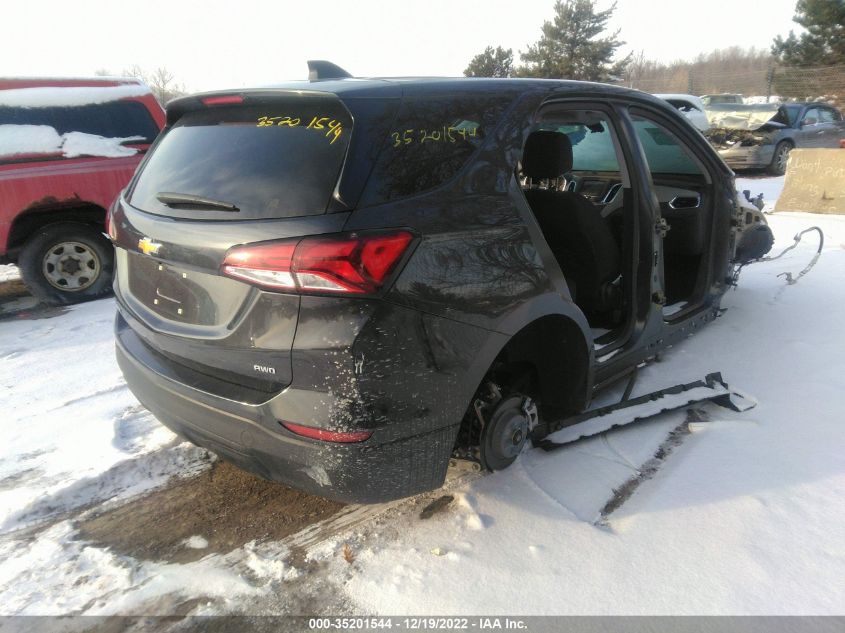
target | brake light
[
  {"x": 342, "y": 437},
  {"x": 223, "y": 100},
  {"x": 352, "y": 263},
  {"x": 109, "y": 228}
]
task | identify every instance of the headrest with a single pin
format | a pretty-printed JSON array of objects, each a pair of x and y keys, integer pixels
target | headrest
[{"x": 547, "y": 155}]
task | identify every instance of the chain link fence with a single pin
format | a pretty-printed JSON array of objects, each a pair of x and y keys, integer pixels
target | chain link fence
[{"x": 826, "y": 83}]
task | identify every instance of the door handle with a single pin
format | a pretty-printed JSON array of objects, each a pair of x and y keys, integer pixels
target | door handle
[{"x": 685, "y": 202}]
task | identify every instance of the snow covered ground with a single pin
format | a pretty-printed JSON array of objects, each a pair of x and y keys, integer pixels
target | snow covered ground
[
  {"x": 9, "y": 272},
  {"x": 742, "y": 514}
]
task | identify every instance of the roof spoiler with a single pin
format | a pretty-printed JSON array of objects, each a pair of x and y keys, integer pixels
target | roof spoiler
[{"x": 322, "y": 69}]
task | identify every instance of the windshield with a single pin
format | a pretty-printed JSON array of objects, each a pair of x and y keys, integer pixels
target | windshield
[{"x": 269, "y": 161}]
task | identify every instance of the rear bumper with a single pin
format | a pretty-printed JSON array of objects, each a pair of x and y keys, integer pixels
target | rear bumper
[{"x": 251, "y": 437}]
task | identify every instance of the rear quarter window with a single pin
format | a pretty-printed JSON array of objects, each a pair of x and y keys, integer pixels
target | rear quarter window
[{"x": 430, "y": 142}]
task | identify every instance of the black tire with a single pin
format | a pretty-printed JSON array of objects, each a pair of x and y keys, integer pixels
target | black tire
[
  {"x": 778, "y": 165},
  {"x": 67, "y": 263}
]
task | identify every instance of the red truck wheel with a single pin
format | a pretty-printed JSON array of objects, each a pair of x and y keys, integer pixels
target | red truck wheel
[{"x": 67, "y": 263}]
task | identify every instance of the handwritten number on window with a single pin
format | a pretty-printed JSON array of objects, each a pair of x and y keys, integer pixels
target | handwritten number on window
[{"x": 331, "y": 128}]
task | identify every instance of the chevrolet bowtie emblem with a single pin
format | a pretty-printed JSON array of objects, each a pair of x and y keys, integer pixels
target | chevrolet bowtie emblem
[{"x": 148, "y": 247}]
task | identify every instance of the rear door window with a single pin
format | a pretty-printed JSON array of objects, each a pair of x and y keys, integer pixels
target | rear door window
[
  {"x": 827, "y": 116},
  {"x": 430, "y": 142},
  {"x": 269, "y": 161}
]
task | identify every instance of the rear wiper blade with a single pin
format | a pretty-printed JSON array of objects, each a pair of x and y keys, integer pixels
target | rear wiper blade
[{"x": 190, "y": 200}]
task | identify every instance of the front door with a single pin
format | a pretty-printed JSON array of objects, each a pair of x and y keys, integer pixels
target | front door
[
  {"x": 684, "y": 191},
  {"x": 813, "y": 131}
]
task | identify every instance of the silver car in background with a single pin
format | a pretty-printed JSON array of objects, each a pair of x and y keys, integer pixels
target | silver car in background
[
  {"x": 761, "y": 136},
  {"x": 690, "y": 106}
]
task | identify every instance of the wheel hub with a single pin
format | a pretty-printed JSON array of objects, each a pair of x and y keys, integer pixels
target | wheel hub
[
  {"x": 506, "y": 431},
  {"x": 71, "y": 266}
]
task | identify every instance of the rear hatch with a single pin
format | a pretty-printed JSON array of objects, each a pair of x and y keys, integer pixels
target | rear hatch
[{"x": 230, "y": 170}]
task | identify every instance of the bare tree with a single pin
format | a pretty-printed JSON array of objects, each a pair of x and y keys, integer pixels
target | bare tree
[
  {"x": 161, "y": 81},
  {"x": 635, "y": 69},
  {"x": 733, "y": 69}
]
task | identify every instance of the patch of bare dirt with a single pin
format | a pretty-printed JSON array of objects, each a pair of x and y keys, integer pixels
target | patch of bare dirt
[
  {"x": 225, "y": 506},
  {"x": 650, "y": 468},
  {"x": 13, "y": 288}
]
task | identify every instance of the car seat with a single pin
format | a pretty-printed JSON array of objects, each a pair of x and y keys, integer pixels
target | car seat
[{"x": 579, "y": 237}]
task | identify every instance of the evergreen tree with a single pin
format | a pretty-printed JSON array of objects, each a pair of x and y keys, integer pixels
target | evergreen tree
[
  {"x": 571, "y": 46},
  {"x": 496, "y": 62},
  {"x": 824, "y": 42}
]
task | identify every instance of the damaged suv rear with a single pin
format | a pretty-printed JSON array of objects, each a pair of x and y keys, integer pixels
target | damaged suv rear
[
  {"x": 761, "y": 136},
  {"x": 344, "y": 284}
]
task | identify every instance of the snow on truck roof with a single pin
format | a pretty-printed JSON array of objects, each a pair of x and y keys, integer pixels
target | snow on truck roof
[
  {"x": 46, "y": 93},
  {"x": 64, "y": 82}
]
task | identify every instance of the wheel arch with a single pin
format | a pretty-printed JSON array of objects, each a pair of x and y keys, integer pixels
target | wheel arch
[
  {"x": 554, "y": 346},
  {"x": 27, "y": 223},
  {"x": 552, "y": 336}
]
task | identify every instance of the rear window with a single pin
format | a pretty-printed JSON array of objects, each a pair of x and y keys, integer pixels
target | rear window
[
  {"x": 431, "y": 141},
  {"x": 270, "y": 161},
  {"x": 115, "y": 119}
]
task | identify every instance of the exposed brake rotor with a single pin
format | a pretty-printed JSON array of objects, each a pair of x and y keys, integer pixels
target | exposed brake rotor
[{"x": 506, "y": 425}]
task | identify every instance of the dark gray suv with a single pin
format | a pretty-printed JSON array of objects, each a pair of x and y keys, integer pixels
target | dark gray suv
[{"x": 343, "y": 284}]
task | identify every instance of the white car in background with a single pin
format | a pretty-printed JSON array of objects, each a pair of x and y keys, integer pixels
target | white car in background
[{"x": 690, "y": 106}]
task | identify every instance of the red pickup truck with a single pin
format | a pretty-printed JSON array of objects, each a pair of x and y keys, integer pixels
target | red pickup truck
[{"x": 67, "y": 149}]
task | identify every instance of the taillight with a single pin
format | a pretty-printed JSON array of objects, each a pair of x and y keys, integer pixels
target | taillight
[
  {"x": 109, "y": 228},
  {"x": 342, "y": 437},
  {"x": 353, "y": 263}
]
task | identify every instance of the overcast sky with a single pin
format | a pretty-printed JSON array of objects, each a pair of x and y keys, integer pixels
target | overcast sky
[{"x": 235, "y": 43}]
